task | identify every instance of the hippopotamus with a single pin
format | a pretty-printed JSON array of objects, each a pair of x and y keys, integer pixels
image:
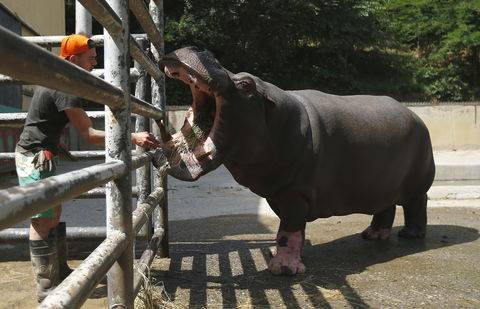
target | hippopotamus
[{"x": 310, "y": 154}]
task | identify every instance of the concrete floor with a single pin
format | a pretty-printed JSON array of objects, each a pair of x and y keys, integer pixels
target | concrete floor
[
  {"x": 221, "y": 232},
  {"x": 224, "y": 264},
  {"x": 221, "y": 262}
]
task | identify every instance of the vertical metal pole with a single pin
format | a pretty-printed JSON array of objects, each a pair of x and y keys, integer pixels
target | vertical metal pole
[
  {"x": 118, "y": 147},
  {"x": 143, "y": 174},
  {"x": 160, "y": 215},
  {"x": 83, "y": 24},
  {"x": 83, "y": 19}
]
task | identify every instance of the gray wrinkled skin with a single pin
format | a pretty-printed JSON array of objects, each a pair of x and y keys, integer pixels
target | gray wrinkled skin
[{"x": 309, "y": 153}]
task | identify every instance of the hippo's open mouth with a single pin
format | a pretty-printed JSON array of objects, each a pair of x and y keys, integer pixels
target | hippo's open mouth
[{"x": 193, "y": 151}]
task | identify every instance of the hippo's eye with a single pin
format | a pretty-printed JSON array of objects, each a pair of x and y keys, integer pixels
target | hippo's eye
[
  {"x": 246, "y": 85},
  {"x": 242, "y": 84}
]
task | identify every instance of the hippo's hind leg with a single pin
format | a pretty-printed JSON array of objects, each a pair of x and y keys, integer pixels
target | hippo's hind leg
[
  {"x": 381, "y": 225},
  {"x": 415, "y": 212}
]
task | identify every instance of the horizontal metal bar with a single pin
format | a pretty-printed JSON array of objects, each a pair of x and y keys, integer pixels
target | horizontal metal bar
[
  {"x": 25, "y": 61},
  {"x": 7, "y": 80},
  {"x": 134, "y": 74},
  {"x": 142, "y": 159},
  {"x": 74, "y": 290},
  {"x": 7, "y": 156},
  {"x": 73, "y": 233},
  {"x": 105, "y": 15},
  {"x": 143, "y": 264},
  {"x": 84, "y": 233},
  {"x": 56, "y": 40},
  {"x": 17, "y": 120},
  {"x": 100, "y": 193},
  {"x": 144, "y": 209},
  {"x": 143, "y": 16},
  {"x": 21, "y": 202},
  {"x": 79, "y": 155},
  {"x": 12, "y": 120}
]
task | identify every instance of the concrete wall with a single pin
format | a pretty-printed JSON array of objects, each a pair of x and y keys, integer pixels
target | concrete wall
[
  {"x": 451, "y": 127},
  {"x": 28, "y": 18},
  {"x": 47, "y": 17},
  {"x": 38, "y": 17}
]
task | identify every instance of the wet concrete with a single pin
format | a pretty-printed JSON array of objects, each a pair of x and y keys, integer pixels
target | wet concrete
[
  {"x": 221, "y": 232},
  {"x": 222, "y": 262}
]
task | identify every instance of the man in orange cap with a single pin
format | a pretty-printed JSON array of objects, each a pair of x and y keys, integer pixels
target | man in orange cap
[
  {"x": 79, "y": 50},
  {"x": 36, "y": 157}
]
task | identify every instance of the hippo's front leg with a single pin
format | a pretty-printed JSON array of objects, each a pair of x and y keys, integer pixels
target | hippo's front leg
[
  {"x": 292, "y": 210},
  {"x": 287, "y": 260}
]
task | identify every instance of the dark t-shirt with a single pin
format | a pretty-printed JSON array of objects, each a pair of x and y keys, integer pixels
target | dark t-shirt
[{"x": 46, "y": 119}]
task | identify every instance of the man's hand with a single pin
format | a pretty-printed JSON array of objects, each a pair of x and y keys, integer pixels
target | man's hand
[{"x": 145, "y": 140}]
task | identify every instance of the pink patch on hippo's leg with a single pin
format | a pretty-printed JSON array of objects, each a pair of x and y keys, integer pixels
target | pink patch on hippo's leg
[
  {"x": 287, "y": 260},
  {"x": 381, "y": 225},
  {"x": 371, "y": 233}
]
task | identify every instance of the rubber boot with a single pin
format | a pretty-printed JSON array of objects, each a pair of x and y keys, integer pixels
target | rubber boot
[
  {"x": 43, "y": 254},
  {"x": 61, "y": 232}
]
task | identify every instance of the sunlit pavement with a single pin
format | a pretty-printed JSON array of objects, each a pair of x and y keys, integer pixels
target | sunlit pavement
[{"x": 220, "y": 237}]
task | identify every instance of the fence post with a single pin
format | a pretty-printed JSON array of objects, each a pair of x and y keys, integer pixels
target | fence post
[
  {"x": 83, "y": 24},
  {"x": 83, "y": 19},
  {"x": 143, "y": 174},
  {"x": 117, "y": 147},
  {"x": 160, "y": 215}
]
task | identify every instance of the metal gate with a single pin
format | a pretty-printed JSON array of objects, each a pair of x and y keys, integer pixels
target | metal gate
[{"x": 23, "y": 61}]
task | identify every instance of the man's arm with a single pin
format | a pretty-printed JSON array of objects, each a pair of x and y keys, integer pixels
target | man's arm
[{"x": 80, "y": 120}]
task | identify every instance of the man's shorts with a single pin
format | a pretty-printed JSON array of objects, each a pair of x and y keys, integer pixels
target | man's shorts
[{"x": 27, "y": 173}]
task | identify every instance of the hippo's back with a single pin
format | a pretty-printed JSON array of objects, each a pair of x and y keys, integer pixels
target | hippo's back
[{"x": 369, "y": 152}]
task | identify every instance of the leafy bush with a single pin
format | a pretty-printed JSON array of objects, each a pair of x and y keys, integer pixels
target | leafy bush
[{"x": 409, "y": 49}]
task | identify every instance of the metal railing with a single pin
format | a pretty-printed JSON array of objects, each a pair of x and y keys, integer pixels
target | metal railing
[{"x": 24, "y": 62}]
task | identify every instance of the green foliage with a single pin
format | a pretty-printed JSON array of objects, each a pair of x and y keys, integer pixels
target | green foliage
[
  {"x": 444, "y": 38},
  {"x": 409, "y": 49}
]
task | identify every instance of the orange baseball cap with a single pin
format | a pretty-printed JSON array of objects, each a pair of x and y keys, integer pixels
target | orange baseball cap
[{"x": 75, "y": 44}]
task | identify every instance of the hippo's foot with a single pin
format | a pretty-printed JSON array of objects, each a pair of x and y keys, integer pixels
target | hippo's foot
[
  {"x": 371, "y": 233},
  {"x": 412, "y": 232},
  {"x": 415, "y": 212},
  {"x": 287, "y": 260}
]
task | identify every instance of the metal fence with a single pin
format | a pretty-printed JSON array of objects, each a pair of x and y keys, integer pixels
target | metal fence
[{"x": 24, "y": 62}]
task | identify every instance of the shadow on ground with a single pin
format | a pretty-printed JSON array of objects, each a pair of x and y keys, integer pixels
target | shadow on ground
[{"x": 223, "y": 262}]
